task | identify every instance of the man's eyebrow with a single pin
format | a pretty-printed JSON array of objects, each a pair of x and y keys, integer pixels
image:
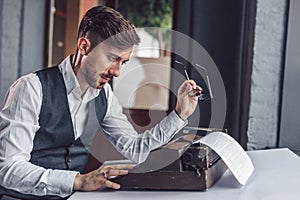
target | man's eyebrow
[
  {"x": 114, "y": 55},
  {"x": 117, "y": 57}
]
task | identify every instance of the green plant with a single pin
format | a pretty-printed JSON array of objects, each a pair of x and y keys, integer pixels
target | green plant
[{"x": 150, "y": 13}]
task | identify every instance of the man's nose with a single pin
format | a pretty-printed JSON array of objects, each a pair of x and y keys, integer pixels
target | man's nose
[{"x": 115, "y": 69}]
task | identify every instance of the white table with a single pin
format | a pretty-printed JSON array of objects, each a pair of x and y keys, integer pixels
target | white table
[{"x": 276, "y": 176}]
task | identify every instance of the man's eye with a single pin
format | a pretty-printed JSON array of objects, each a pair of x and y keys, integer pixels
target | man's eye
[{"x": 124, "y": 62}]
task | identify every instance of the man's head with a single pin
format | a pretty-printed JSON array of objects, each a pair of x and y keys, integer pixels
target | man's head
[
  {"x": 102, "y": 23},
  {"x": 105, "y": 42}
]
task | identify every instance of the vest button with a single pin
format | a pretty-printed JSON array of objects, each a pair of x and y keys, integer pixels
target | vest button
[{"x": 69, "y": 160}]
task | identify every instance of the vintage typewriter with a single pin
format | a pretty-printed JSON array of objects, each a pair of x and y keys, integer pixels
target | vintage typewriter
[{"x": 183, "y": 164}]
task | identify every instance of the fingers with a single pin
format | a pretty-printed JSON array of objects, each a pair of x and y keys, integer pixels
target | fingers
[
  {"x": 117, "y": 172},
  {"x": 195, "y": 86},
  {"x": 113, "y": 173},
  {"x": 110, "y": 184},
  {"x": 195, "y": 92},
  {"x": 190, "y": 88},
  {"x": 110, "y": 174},
  {"x": 110, "y": 171},
  {"x": 98, "y": 178}
]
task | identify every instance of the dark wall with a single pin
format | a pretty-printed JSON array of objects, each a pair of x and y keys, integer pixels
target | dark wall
[
  {"x": 225, "y": 29},
  {"x": 289, "y": 125}
]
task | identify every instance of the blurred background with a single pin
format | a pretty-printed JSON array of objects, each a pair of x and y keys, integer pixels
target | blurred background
[{"x": 254, "y": 44}]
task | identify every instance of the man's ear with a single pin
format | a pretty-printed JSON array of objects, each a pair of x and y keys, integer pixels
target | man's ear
[{"x": 84, "y": 45}]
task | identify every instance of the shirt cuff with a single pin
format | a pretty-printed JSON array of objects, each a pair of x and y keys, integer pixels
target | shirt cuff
[
  {"x": 174, "y": 124},
  {"x": 177, "y": 117},
  {"x": 61, "y": 182}
]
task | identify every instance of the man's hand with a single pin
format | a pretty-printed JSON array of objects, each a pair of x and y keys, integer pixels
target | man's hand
[
  {"x": 186, "y": 98},
  {"x": 100, "y": 178}
]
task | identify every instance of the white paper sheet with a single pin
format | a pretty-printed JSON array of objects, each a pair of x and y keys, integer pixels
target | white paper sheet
[{"x": 231, "y": 153}]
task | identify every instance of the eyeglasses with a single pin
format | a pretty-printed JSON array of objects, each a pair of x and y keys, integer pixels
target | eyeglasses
[{"x": 201, "y": 96}]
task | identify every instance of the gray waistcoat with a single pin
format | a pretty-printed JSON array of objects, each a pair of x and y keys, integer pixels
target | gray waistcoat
[{"x": 54, "y": 144}]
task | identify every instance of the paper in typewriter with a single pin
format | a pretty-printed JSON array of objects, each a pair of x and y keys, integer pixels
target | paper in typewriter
[{"x": 231, "y": 153}]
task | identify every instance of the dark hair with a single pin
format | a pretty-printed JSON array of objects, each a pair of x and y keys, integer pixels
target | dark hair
[{"x": 101, "y": 23}]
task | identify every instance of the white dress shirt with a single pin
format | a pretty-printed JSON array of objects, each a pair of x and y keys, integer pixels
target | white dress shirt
[{"x": 19, "y": 124}]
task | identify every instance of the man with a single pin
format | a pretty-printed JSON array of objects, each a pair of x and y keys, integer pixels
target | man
[{"x": 43, "y": 150}]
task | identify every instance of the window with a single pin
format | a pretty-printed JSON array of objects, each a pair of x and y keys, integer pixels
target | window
[
  {"x": 147, "y": 75},
  {"x": 64, "y": 18}
]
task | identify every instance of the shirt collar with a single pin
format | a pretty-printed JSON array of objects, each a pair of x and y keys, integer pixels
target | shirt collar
[{"x": 71, "y": 82}]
